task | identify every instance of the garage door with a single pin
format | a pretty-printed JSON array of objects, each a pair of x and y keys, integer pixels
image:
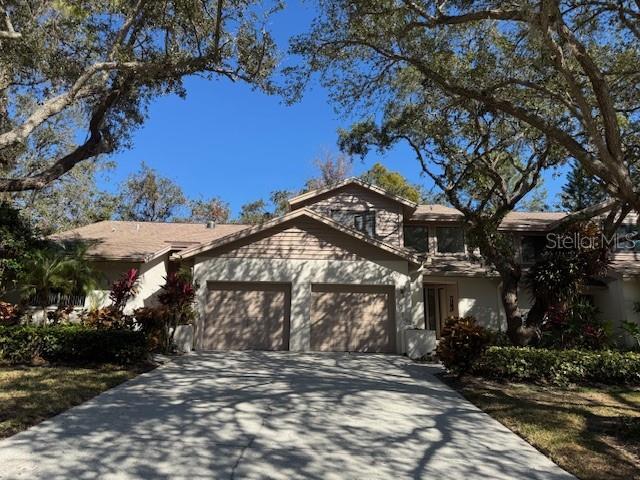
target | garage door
[
  {"x": 353, "y": 318},
  {"x": 247, "y": 316}
]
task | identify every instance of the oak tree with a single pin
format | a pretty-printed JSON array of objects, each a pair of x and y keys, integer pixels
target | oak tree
[{"x": 107, "y": 60}]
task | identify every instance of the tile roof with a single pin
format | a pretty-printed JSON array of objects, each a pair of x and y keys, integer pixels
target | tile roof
[{"x": 143, "y": 241}]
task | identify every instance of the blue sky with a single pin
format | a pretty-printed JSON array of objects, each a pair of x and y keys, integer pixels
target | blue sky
[{"x": 229, "y": 141}]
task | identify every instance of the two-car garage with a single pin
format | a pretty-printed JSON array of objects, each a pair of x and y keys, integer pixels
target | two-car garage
[{"x": 256, "y": 316}]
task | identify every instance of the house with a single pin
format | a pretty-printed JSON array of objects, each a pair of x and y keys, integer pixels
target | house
[{"x": 349, "y": 268}]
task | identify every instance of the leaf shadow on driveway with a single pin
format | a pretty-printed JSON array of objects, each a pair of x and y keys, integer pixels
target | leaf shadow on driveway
[{"x": 276, "y": 415}]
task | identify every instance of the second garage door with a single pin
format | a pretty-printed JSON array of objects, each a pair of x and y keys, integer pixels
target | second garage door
[
  {"x": 247, "y": 316},
  {"x": 353, "y": 318}
]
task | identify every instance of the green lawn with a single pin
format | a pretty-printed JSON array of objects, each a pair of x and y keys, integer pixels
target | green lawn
[
  {"x": 593, "y": 433},
  {"x": 29, "y": 395}
]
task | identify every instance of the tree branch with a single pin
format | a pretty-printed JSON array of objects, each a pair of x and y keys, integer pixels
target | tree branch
[
  {"x": 9, "y": 33},
  {"x": 93, "y": 146}
]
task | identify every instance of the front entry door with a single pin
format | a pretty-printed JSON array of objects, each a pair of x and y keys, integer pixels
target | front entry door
[{"x": 440, "y": 302}]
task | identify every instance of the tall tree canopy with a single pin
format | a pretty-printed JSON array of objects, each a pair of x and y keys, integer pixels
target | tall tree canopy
[
  {"x": 105, "y": 61},
  {"x": 565, "y": 71},
  {"x": 213, "y": 209},
  {"x": 72, "y": 201},
  {"x": 147, "y": 196},
  {"x": 581, "y": 190},
  {"x": 393, "y": 182}
]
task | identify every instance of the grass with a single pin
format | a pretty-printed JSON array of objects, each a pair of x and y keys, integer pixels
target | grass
[
  {"x": 593, "y": 433},
  {"x": 29, "y": 394}
]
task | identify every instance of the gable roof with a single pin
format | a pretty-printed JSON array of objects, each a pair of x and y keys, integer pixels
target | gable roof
[
  {"x": 352, "y": 181},
  {"x": 142, "y": 241},
  {"x": 306, "y": 213}
]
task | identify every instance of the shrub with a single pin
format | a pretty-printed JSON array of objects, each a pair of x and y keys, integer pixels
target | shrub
[
  {"x": 574, "y": 327},
  {"x": 522, "y": 364},
  {"x": 9, "y": 314},
  {"x": 70, "y": 344},
  {"x": 461, "y": 343},
  {"x": 108, "y": 318},
  {"x": 153, "y": 322}
]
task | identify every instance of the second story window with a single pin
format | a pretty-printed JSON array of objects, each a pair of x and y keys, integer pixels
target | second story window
[
  {"x": 450, "y": 239},
  {"x": 416, "y": 237},
  {"x": 365, "y": 222}
]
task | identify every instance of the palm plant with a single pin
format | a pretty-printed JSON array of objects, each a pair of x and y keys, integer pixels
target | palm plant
[{"x": 55, "y": 269}]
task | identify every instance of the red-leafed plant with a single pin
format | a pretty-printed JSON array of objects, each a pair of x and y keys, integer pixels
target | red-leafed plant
[
  {"x": 123, "y": 289},
  {"x": 177, "y": 297},
  {"x": 112, "y": 316}
]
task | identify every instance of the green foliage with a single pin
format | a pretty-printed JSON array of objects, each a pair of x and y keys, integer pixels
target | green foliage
[
  {"x": 633, "y": 330},
  {"x": 105, "y": 62},
  {"x": 211, "y": 210},
  {"x": 462, "y": 341},
  {"x": 576, "y": 326},
  {"x": 560, "y": 367},
  {"x": 112, "y": 316},
  {"x": 153, "y": 322},
  {"x": 581, "y": 190},
  {"x": 457, "y": 80},
  {"x": 148, "y": 197},
  {"x": 17, "y": 239},
  {"x": 70, "y": 344},
  {"x": 558, "y": 277},
  {"x": 254, "y": 213},
  {"x": 56, "y": 269},
  {"x": 393, "y": 182},
  {"x": 73, "y": 201}
]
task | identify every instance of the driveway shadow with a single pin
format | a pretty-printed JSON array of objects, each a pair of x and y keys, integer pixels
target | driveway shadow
[{"x": 276, "y": 415}]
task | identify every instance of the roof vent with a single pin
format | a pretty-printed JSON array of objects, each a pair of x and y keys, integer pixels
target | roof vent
[{"x": 211, "y": 224}]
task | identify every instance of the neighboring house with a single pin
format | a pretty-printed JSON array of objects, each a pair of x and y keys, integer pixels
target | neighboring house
[{"x": 349, "y": 268}]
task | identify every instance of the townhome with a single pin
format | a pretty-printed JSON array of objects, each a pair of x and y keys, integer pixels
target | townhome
[{"x": 349, "y": 268}]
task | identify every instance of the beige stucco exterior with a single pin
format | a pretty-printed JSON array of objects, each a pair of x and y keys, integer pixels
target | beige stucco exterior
[
  {"x": 151, "y": 278},
  {"x": 301, "y": 274}
]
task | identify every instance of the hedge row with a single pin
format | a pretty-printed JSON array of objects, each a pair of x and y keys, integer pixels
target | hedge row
[
  {"x": 559, "y": 366},
  {"x": 70, "y": 344}
]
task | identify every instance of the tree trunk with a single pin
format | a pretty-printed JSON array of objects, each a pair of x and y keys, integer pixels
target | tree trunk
[{"x": 519, "y": 333}]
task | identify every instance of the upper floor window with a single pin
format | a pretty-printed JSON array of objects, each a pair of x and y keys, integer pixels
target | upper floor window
[
  {"x": 532, "y": 247},
  {"x": 363, "y": 221},
  {"x": 416, "y": 237},
  {"x": 450, "y": 239}
]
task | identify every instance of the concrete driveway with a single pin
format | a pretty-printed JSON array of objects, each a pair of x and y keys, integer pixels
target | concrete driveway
[{"x": 276, "y": 415}]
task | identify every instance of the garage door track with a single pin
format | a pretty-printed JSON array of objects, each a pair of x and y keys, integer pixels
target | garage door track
[{"x": 276, "y": 415}]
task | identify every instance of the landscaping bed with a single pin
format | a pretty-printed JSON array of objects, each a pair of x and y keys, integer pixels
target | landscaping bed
[
  {"x": 592, "y": 432},
  {"x": 31, "y": 394}
]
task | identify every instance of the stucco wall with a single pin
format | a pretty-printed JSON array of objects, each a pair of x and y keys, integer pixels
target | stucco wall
[
  {"x": 301, "y": 274},
  {"x": 479, "y": 297},
  {"x": 151, "y": 279}
]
